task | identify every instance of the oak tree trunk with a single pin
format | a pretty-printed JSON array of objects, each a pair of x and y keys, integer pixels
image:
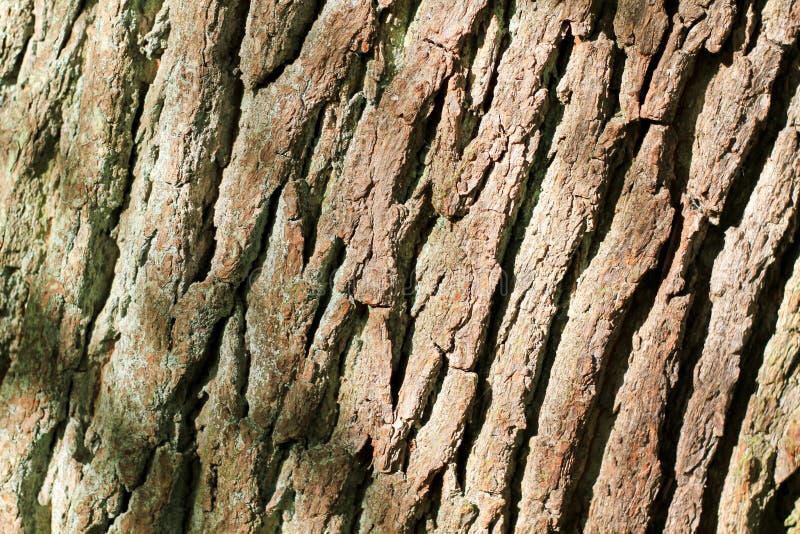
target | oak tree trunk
[{"x": 399, "y": 266}]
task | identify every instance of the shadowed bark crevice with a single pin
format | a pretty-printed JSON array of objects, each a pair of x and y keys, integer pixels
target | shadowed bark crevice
[
  {"x": 606, "y": 411},
  {"x": 765, "y": 309},
  {"x": 698, "y": 316}
]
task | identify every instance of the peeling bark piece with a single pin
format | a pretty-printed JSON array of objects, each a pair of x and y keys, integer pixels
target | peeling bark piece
[
  {"x": 322, "y": 481},
  {"x": 379, "y": 152},
  {"x": 639, "y": 27},
  {"x": 16, "y": 26},
  {"x": 153, "y": 505},
  {"x": 365, "y": 395},
  {"x": 231, "y": 459},
  {"x": 695, "y": 26},
  {"x": 277, "y": 320},
  {"x": 274, "y": 121},
  {"x": 274, "y": 34},
  {"x": 726, "y": 126},
  {"x": 392, "y": 500},
  {"x": 518, "y": 99}
]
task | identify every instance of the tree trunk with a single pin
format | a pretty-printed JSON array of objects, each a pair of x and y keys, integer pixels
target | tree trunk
[{"x": 399, "y": 266}]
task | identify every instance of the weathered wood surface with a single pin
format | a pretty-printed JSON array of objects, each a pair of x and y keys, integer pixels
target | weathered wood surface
[{"x": 399, "y": 265}]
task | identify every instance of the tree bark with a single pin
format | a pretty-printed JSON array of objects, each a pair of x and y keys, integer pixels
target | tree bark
[{"x": 399, "y": 266}]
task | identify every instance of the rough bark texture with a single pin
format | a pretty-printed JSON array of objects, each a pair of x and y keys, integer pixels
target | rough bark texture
[{"x": 399, "y": 266}]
